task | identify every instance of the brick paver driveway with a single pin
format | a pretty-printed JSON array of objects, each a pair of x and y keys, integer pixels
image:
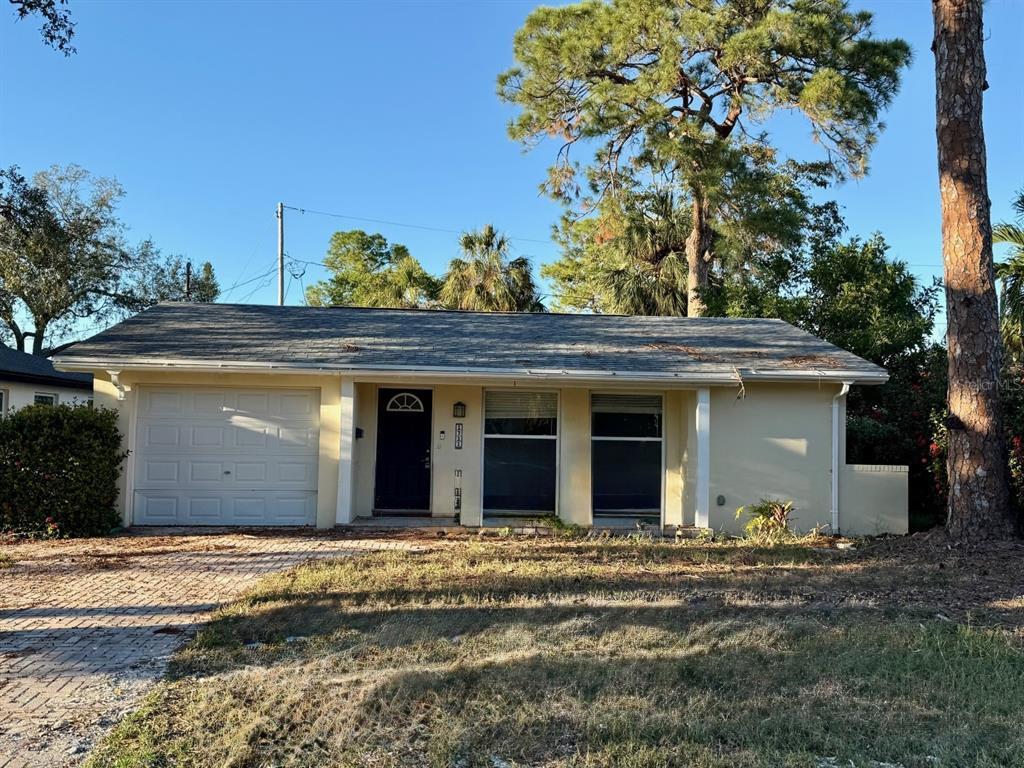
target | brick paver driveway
[{"x": 87, "y": 626}]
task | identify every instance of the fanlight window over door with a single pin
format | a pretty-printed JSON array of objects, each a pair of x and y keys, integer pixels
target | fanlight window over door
[{"x": 405, "y": 401}]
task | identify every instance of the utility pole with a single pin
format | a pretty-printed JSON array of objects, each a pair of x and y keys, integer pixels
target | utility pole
[
  {"x": 280, "y": 254},
  {"x": 188, "y": 281}
]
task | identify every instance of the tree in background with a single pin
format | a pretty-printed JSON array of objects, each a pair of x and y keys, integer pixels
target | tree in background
[
  {"x": 171, "y": 282},
  {"x": 486, "y": 280},
  {"x": 630, "y": 255},
  {"x": 677, "y": 88},
  {"x": 368, "y": 271},
  {"x": 629, "y": 260},
  {"x": 979, "y": 498},
  {"x": 1011, "y": 273},
  {"x": 64, "y": 259},
  {"x": 57, "y": 28}
]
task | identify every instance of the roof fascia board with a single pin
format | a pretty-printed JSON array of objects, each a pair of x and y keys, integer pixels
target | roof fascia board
[{"x": 726, "y": 376}]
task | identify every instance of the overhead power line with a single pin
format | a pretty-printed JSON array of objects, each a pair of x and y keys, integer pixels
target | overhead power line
[{"x": 403, "y": 224}]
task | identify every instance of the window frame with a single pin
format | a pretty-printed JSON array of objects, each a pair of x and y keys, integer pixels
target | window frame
[
  {"x": 660, "y": 439},
  {"x": 4, "y": 402},
  {"x": 52, "y": 395},
  {"x": 484, "y": 436}
]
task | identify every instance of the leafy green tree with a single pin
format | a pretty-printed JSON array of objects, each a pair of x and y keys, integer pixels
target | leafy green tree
[
  {"x": 677, "y": 87},
  {"x": 1011, "y": 273},
  {"x": 629, "y": 260},
  {"x": 57, "y": 28},
  {"x": 171, "y": 283},
  {"x": 486, "y": 280},
  {"x": 62, "y": 255},
  {"x": 862, "y": 301},
  {"x": 65, "y": 261},
  {"x": 368, "y": 271}
]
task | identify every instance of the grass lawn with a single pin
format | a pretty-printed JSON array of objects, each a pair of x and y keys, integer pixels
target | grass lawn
[{"x": 559, "y": 652}]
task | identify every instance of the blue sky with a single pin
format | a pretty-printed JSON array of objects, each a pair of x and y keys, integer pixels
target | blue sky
[{"x": 211, "y": 113}]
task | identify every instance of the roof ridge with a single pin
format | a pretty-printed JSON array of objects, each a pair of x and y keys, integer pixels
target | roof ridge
[{"x": 446, "y": 311}]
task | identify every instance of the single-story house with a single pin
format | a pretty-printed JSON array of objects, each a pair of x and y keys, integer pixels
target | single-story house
[
  {"x": 29, "y": 379},
  {"x": 265, "y": 415}
]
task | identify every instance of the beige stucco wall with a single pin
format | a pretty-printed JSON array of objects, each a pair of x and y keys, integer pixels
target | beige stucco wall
[
  {"x": 775, "y": 441},
  {"x": 873, "y": 499},
  {"x": 675, "y": 435},
  {"x": 18, "y": 394},
  {"x": 575, "y": 500},
  {"x": 445, "y": 457}
]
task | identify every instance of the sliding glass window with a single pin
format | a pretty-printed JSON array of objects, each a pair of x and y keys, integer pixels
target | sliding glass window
[
  {"x": 520, "y": 451},
  {"x": 627, "y": 458}
]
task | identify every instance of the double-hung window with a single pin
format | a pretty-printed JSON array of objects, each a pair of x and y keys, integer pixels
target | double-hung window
[
  {"x": 520, "y": 451},
  {"x": 626, "y": 435}
]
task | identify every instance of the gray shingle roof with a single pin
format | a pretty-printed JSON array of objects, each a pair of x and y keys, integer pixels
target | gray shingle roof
[
  {"x": 343, "y": 338},
  {"x": 21, "y": 366}
]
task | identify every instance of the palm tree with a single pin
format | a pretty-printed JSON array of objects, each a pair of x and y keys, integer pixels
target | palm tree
[
  {"x": 647, "y": 274},
  {"x": 1011, "y": 273},
  {"x": 486, "y": 280}
]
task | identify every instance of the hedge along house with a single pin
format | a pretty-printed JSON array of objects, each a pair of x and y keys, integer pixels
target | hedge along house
[{"x": 257, "y": 415}]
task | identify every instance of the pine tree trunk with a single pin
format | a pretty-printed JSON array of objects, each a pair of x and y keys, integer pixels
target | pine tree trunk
[
  {"x": 698, "y": 257},
  {"x": 979, "y": 499}
]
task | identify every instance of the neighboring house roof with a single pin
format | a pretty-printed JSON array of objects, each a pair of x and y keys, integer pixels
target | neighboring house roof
[
  {"x": 34, "y": 369},
  {"x": 543, "y": 345}
]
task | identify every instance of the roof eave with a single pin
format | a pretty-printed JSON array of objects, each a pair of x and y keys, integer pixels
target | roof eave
[{"x": 721, "y": 376}]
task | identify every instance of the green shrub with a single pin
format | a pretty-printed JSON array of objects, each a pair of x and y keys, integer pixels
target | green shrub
[
  {"x": 769, "y": 521},
  {"x": 59, "y": 467}
]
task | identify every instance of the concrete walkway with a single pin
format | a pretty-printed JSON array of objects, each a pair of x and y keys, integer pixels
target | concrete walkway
[{"x": 87, "y": 626}]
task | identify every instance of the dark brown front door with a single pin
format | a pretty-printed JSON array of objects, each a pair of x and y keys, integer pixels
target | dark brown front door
[{"x": 403, "y": 451}]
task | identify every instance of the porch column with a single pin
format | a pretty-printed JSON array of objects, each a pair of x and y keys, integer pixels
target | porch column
[
  {"x": 346, "y": 451},
  {"x": 703, "y": 500}
]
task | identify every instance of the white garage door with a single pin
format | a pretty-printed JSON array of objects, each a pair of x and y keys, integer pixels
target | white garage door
[{"x": 226, "y": 456}]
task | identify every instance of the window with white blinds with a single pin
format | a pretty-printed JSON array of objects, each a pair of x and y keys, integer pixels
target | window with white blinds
[
  {"x": 626, "y": 454},
  {"x": 521, "y": 413},
  {"x": 520, "y": 451},
  {"x": 636, "y": 417}
]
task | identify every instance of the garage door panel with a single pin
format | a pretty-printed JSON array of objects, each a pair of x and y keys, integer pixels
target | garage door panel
[
  {"x": 297, "y": 440},
  {"x": 207, "y": 472},
  {"x": 202, "y": 436},
  {"x": 161, "y": 436},
  {"x": 222, "y": 457},
  {"x": 156, "y": 471},
  {"x": 251, "y": 437},
  {"x": 299, "y": 404},
  {"x": 161, "y": 403},
  {"x": 225, "y": 508},
  {"x": 153, "y": 508},
  {"x": 228, "y": 471}
]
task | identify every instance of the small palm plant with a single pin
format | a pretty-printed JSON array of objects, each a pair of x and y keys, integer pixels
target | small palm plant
[{"x": 769, "y": 521}]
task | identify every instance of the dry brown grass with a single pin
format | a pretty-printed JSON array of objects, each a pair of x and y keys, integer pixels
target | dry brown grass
[{"x": 624, "y": 653}]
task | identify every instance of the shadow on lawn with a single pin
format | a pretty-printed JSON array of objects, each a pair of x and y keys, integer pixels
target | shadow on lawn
[
  {"x": 531, "y": 685},
  {"x": 590, "y": 656}
]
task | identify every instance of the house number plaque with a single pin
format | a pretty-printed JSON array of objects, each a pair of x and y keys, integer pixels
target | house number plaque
[{"x": 458, "y": 435}]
